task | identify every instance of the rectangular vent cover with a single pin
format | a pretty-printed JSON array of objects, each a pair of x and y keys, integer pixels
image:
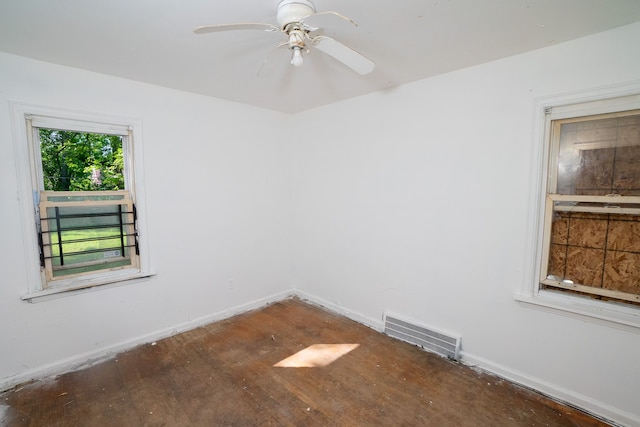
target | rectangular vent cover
[{"x": 426, "y": 337}]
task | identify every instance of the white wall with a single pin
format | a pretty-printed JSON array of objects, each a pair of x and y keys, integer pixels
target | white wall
[
  {"x": 417, "y": 200},
  {"x": 218, "y": 204}
]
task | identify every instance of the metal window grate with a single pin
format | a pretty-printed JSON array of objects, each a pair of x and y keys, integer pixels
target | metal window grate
[
  {"x": 84, "y": 232},
  {"x": 116, "y": 225}
]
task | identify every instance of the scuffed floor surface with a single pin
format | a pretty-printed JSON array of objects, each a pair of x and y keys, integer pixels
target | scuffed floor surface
[{"x": 330, "y": 371}]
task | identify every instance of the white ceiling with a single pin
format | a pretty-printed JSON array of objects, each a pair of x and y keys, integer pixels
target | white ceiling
[{"x": 152, "y": 41}]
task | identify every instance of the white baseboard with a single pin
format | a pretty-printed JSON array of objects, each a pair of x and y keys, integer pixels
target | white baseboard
[
  {"x": 593, "y": 407},
  {"x": 84, "y": 360},
  {"x": 376, "y": 324}
]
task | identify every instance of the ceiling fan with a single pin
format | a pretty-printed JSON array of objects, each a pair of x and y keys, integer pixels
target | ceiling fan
[{"x": 295, "y": 19}]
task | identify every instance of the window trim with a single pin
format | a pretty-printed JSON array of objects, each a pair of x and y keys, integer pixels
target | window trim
[
  {"x": 597, "y": 101},
  {"x": 22, "y": 115}
]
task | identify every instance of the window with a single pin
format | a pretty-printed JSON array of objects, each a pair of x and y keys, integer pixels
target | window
[
  {"x": 592, "y": 217},
  {"x": 588, "y": 236},
  {"x": 86, "y": 191}
]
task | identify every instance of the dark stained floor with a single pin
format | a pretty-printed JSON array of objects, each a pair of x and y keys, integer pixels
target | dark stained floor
[{"x": 223, "y": 374}]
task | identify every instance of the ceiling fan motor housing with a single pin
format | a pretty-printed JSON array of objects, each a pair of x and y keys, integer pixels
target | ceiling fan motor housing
[{"x": 293, "y": 11}]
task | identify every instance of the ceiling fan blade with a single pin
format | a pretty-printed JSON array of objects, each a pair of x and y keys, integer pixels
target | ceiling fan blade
[
  {"x": 234, "y": 27},
  {"x": 266, "y": 59},
  {"x": 349, "y": 57},
  {"x": 314, "y": 21}
]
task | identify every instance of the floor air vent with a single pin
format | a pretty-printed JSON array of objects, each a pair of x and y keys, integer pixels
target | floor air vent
[{"x": 436, "y": 341}]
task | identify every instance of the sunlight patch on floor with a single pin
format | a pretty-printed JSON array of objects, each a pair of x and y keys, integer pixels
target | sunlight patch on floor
[{"x": 316, "y": 355}]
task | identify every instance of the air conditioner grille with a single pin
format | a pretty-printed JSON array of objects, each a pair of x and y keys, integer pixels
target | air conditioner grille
[{"x": 430, "y": 339}]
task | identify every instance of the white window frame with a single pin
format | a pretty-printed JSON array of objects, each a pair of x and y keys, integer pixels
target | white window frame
[
  {"x": 598, "y": 101},
  {"x": 27, "y": 156}
]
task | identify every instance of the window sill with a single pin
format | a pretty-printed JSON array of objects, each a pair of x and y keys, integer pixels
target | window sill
[
  {"x": 604, "y": 313},
  {"x": 74, "y": 289}
]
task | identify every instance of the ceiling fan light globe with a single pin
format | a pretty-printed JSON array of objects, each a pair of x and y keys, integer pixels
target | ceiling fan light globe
[{"x": 296, "y": 57}]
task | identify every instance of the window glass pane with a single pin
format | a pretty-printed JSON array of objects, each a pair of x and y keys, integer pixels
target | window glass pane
[
  {"x": 600, "y": 156},
  {"x": 599, "y": 250},
  {"x": 90, "y": 238},
  {"x": 77, "y": 161}
]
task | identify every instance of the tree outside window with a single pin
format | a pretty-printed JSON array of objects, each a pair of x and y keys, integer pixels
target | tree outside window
[{"x": 77, "y": 161}]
